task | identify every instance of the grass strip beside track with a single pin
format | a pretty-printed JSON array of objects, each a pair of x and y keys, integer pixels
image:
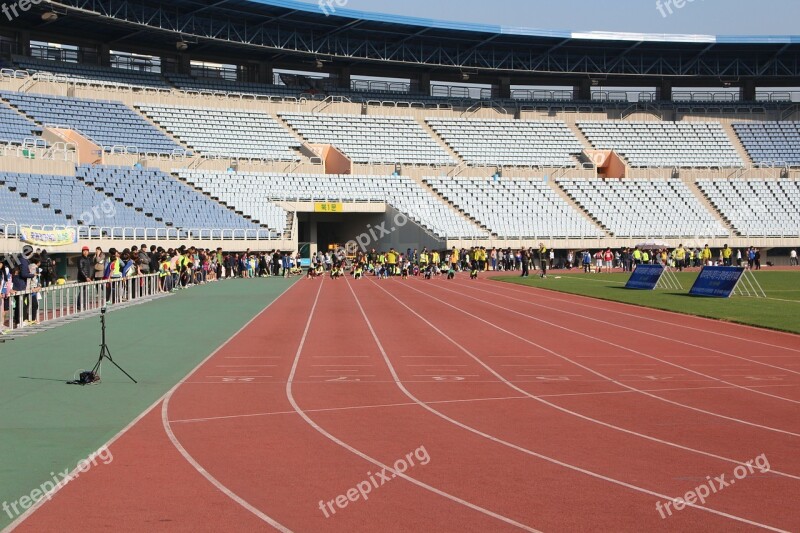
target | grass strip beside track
[
  {"x": 47, "y": 426},
  {"x": 780, "y": 311}
]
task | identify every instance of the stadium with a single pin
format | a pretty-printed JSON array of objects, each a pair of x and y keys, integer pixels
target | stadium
[{"x": 358, "y": 271}]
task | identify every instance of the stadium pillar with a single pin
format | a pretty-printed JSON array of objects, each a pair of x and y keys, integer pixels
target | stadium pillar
[
  {"x": 422, "y": 83},
  {"x": 747, "y": 92},
  {"x": 104, "y": 55},
  {"x": 504, "y": 88},
  {"x": 183, "y": 64},
  {"x": 24, "y": 43},
  {"x": 313, "y": 244},
  {"x": 664, "y": 91},
  {"x": 266, "y": 73},
  {"x": 583, "y": 90},
  {"x": 343, "y": 78}
]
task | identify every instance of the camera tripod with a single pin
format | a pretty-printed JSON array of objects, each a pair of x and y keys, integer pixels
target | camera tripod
[{"x": 105, "y": 353}]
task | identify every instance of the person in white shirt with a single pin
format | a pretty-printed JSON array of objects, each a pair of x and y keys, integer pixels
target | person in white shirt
[{"x": 793, "y": 258}]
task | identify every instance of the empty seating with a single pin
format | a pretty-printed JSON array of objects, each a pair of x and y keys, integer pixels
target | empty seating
[
  {"x": 402, "y": 193},
  {"x": 759, "y": 208},
  {"x": 65, "y": 201},
  {"x": 165, "y": 199},
  {"x": 510, "y": 142},
  {"x": 17, "y": 209},
  {"x": 664, "y": 144},
  {"x": 772, "y": 143},
  {"x": 226, "y": 132},
  {"x": 14, "y": 128},
  {"x": 242, "y": 193},
  {"x": 515, "y": 208},
  {"x": 371, "y": 139},
  {"x": 91, "y": 73},
  {"x": 644, "y": 208},
  {"x": 106, "y": 123}
]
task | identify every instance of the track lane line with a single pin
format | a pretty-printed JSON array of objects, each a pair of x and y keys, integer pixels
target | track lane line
[
  {"x": 625, "y": 348},
  {"x": 515, "y": 446},
  {"x": 556, "y": 406},
  {"x": 610, "y": 379},
  {"x": 397, "y": 473},
  {"x": 135, "y": 421},
  {"x": 578, "y": 299},
  {"x": 621, "y": 326}
]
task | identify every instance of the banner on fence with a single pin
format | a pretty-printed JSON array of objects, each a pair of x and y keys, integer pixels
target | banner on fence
[{"x": 42, "y": 237}]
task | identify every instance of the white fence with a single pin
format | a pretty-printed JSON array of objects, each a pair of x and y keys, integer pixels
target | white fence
[
  {"x": 11, "y": 231},
  {"x": 57, "y": 302}
]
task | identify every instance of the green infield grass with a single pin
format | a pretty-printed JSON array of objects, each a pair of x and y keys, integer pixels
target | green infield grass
[{"x": 780, "y": 310}]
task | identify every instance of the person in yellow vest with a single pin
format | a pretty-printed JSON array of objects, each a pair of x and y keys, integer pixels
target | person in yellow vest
[
  {"x": 680, "y": 257},
  {"x": 423, "y": 259},
  {"x": 484, "y": 257},
  {"x": 113, "y": 273},
  {"x": 645, "y": 257},
  {"x": 543, "y": 257},
  {"x": 184, "y": 267},
  {"x": 705, "y": 255},
  {"x": 164, "y": 274},
  {"x": 436, "y": 259},
  {"x": 726, "y": 256},
  {"x": 391, "y": 261},
  {"x": 454, "y": 259},
  {"x": 637, "y": 257}
]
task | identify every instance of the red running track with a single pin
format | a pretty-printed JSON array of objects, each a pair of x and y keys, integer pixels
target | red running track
[{"x": 460, "y": 406}]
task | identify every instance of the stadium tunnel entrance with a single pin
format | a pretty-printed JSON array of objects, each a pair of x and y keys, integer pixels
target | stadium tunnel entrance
[{"x": 364, "y": 231}]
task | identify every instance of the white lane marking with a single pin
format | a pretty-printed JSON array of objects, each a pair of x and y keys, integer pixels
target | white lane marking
[
  {"x": 514, "y": 446},
  {"x": 573, "y": 413},
  {"x": 615, "y": 345},
  {"x": 577, "y": 298},
  {"x": 191, "y": 460},
  {"x": 366, "y": 457}
]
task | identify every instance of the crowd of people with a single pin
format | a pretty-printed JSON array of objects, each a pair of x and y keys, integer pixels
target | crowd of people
[
  {"x": 475, "y": 260},
  {"x": 24, "y": 275},
  {"x": 427, "y": 263},
  {"x": 178, "y": 268}
]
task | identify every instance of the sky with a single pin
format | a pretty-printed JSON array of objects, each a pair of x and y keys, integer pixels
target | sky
[{"x": 708, "y": 17}]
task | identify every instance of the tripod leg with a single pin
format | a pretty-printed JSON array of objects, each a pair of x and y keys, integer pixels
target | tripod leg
[{"x": 107, "y": 355}]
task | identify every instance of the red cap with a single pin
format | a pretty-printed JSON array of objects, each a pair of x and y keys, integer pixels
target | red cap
[{"x": 85, "y": 249}]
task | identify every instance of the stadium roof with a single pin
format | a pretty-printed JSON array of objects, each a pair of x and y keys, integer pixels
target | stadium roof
[
  {"x": 353, "y": 14},
  {"x": 291, "y": 34}
]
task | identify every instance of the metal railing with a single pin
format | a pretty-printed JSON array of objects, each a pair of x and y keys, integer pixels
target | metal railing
[
  {"x": 57, "y": 302},
  {"x": 11, "y": 231},
  {"x": 56, "y": 152},
  {"x": 403, "y": 89}
]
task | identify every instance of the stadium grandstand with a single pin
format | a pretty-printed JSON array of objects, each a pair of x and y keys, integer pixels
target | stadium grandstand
[
  {"x": 476, "y": 149},
  {"x": 148, "y": 147}
]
